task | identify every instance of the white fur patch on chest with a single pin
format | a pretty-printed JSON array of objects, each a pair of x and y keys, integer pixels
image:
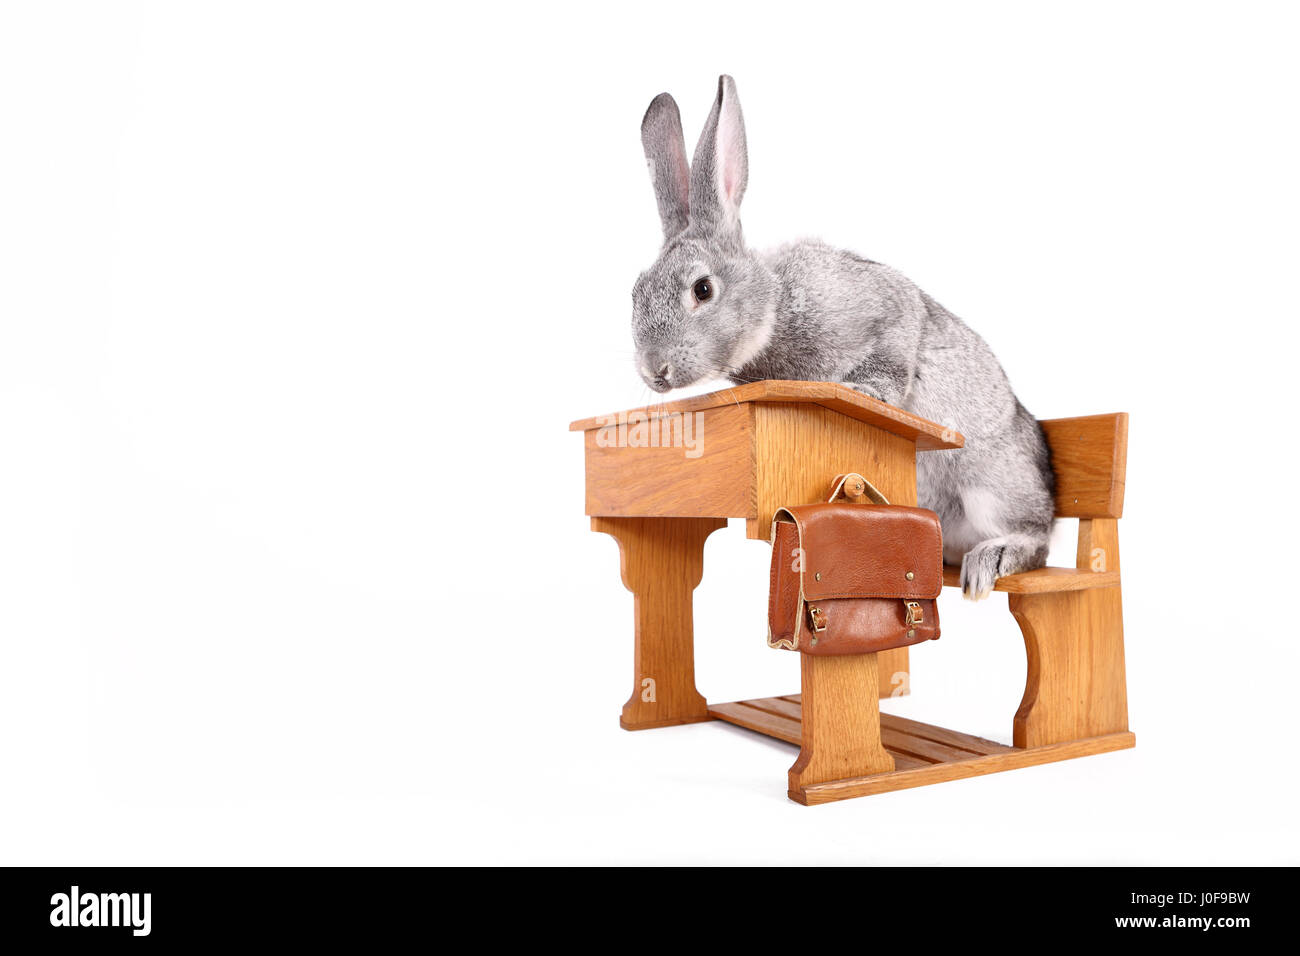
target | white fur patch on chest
[
  {"x": 983, "y": 511},
  {"x": 754, "y": 341}
]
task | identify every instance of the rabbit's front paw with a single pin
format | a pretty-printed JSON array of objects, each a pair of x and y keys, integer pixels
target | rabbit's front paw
[
  {"x": 867, "y": 390},
  {"x": 888, "y": 394},
  {"x": 996, "y": 558},
  {"x": 981, "y": 567}
]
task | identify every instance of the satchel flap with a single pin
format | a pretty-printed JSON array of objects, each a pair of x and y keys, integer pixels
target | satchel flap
[{"x": 860, "y": 551}]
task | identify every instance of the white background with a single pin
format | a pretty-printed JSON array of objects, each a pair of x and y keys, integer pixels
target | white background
[{"x": 297, "y": 300}]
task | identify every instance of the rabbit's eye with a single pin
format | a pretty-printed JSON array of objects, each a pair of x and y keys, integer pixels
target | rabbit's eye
[{"x": 703, "y": 290}]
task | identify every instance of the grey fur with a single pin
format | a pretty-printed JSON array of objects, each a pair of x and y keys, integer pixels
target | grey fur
[
  {"x": 665, "y": 153},
  {"x": 809, "y": 311}
]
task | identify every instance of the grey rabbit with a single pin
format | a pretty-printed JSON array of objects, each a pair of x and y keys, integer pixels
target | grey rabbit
[{"x": 710, "y": 307}]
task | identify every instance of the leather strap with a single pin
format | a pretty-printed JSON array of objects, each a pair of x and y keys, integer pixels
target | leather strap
[{"x": 870, "y": 490}]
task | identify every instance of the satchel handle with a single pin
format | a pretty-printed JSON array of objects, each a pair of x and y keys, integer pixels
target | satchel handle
[{"x": 845, "y": 483}]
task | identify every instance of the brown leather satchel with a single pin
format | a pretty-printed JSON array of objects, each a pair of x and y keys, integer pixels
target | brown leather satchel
[{"x": 854, "y": 578}]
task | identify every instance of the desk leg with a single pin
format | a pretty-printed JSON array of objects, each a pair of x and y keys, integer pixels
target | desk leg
[
  {"x": 662, "y": 561},
  {"x": 841, "y": 722},
  {"x": 895, "y": 672}
]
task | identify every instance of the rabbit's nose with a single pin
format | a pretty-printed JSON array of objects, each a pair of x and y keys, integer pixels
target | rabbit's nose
[{"x": 655, "y": 371}]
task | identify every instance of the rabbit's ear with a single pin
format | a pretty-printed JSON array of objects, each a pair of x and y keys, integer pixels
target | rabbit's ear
[
  {"x": 665, "y": 154},
  {"x": 720, "y": 169}
]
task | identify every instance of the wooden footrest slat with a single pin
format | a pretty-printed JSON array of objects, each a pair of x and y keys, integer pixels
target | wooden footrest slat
[
  {"x": 752, "y": 718},
  {"x": 777, "y": 705},
  {"x": 927, "y": 750},
  {"x": 954, "y": 738},
  {"x": 923, "y": 753}
]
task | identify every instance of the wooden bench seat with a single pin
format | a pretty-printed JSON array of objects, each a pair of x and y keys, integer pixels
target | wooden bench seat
[{"x": 1043, "y": 580}]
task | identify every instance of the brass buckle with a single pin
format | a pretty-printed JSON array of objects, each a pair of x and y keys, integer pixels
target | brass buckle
[
  {"x": 914, "y": 613},
  {"x": 817, "y": 617}
]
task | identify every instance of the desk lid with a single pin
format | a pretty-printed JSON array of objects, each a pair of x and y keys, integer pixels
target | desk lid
[{"x": 927, "y": 435}]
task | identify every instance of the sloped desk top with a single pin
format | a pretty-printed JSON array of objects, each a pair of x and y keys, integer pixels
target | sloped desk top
[{"x": 927, "y": 435}]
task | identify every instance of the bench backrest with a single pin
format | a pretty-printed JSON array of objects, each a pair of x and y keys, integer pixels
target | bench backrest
[{"x": 1088, "y": 456}]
